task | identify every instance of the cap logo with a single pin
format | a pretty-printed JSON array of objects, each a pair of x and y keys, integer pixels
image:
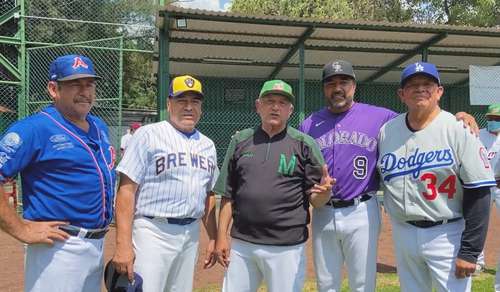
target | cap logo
[
  {"x": 337, "y": 67},
  {"x": 78, "y": 62},
  {"x": 419, "y": 67},
  {"x": 278, "y": 86},
  {"x": 189, "y": 82}
]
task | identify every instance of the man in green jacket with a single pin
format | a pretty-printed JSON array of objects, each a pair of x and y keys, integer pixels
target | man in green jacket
[{"x": 270, "y": 175}]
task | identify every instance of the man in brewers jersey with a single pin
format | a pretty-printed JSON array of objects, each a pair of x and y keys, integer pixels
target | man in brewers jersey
[
  {"x": 437, "y": 180},
  {"x": 167, "y": 174}
]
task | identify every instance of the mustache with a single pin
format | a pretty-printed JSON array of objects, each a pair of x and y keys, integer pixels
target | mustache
[{"x": 84, "y": 99}]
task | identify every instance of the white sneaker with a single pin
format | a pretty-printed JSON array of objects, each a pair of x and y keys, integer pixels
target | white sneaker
[{"x": 479, "y": 269}]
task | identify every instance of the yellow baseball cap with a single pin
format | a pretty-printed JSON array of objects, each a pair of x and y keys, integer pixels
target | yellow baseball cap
[{"x": 183, "y": 84}]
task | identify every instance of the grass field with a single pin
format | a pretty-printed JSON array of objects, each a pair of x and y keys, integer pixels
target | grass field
[{"x": 388, "y": 282}]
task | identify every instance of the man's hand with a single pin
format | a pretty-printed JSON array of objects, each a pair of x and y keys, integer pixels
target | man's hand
[
  {"x": 223, "y": 251},
  {"x": 464, "y": 268},
  {"x": 42, "y": 232},
  {"x": 123, "y": 260},
  {"x": 469, "y": 122},
  {"x": 210, "y": 255},
  {"x": 320, "y": 194}
]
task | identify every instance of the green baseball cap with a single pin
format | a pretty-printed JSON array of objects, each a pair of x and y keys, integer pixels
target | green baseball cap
[
  {"x": 277, "y": 87},
  {"x": 493, "y": 110}
]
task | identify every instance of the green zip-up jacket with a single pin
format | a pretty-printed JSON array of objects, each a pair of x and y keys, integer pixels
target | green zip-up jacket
[{"x": 267, "y": 179}]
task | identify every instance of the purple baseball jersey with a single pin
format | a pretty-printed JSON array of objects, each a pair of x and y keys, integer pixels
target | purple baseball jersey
[{"x": 349, "y": 142}]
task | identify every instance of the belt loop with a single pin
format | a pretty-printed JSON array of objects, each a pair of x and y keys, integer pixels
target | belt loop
[
  {"x": 445, "y": 221},
  {"x": 357, "y": 200},
  {"x": 82, "y": 232}
]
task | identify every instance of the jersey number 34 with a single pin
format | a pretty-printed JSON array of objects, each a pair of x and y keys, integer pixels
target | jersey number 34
[{"x": 448, "y": 186}]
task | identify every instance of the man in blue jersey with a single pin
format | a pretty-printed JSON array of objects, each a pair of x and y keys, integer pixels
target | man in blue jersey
[{"x": 66, "y": 162}]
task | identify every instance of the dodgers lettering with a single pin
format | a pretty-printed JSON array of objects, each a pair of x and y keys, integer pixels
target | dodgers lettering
[{"x": 415, "y": 163}]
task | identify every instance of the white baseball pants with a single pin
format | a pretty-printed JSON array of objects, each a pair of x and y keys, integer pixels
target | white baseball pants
[
  {"x": 73, "y": 265},
  {"x": 281, "y": 267},
  {"x": 496, "y": 195},
  {"x": 426, "y": 256},
  {"x": 165, "y": 254},
  {"x": 347, "y": 235}
]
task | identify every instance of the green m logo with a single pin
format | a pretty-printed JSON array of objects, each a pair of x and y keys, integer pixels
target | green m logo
[{"x": 286, "y": 168}]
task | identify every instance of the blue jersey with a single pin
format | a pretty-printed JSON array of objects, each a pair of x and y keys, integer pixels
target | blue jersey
[{"x": 66, "y": 173}]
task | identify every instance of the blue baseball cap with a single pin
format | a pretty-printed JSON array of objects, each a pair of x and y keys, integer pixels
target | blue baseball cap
[
  {"x": 423, "y": 68},
  {"x": 116, "y": 282},
  {"x": 70, "y": 67}
]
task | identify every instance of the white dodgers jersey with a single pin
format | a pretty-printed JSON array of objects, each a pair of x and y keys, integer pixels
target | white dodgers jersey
[
  {"x": 492, "y": 144},
  {"x": 424, "y": 172},
  {"x": 174, "y": 171}
]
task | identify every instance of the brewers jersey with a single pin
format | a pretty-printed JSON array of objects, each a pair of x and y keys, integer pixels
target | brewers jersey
[
  {"x": 174, "y": 170},
  {"x": 424, "y": 172}
]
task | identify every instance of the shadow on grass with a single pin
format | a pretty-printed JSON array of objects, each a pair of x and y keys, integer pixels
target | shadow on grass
[{"x": 386, "y": 269}]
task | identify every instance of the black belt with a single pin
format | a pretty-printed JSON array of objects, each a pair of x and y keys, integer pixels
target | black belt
[
  {"x": 176, "y": 221},
  {"x": 428, "y": 224},
  {"x": 343, "y": 204},
  {"x": 84, "y": 233}
]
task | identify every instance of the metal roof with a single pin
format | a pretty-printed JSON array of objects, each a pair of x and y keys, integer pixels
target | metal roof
[{"x": 243, "y": 46}]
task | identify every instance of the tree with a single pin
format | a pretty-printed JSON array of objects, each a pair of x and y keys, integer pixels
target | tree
[
  {"x": 389, "y": 10},
  {"x": 456, "y": 12}
]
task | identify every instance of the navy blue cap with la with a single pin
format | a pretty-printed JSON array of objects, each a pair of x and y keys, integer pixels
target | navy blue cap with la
[
  {"x": 71, "y": 67},
  {"x": 421, "y": 68}
]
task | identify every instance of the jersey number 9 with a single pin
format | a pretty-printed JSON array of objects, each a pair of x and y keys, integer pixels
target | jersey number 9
[{"x": 360, "y": 164}]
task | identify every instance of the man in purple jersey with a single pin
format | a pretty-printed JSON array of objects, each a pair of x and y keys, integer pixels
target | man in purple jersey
[{"x": 347, "y": 228}]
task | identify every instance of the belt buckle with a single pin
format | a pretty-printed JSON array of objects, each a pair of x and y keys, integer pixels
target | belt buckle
[{"x": 82, "y": 232}]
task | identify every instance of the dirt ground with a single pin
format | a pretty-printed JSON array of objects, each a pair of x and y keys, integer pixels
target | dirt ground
[{"x": 11, "y": 257}]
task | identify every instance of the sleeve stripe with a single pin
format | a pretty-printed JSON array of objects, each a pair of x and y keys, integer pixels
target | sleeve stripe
[{"x": 488, "y": 183}]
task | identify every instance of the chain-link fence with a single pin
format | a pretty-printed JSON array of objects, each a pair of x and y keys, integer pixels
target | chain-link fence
[
  {"x": 104, "y": 30},
  {"x": 8, "y": 105},
  {"x": 108, "y": 90}
]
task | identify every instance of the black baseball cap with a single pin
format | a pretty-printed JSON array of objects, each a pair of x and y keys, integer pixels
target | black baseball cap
[
  {"x": 116, "y": 282},
  {"x": 338, "y": 67}
]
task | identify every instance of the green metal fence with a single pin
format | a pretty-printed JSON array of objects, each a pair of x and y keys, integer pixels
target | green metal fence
[{"x": 229, "y": 105}]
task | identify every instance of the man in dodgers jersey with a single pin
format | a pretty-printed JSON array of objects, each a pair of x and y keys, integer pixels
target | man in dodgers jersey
[
  {"x": 347, "y": 228},
  {"x": 269, "y": 176},
  {"x": 66, "y": 163},
  {"x": 491, "y": 140},
  {"x": 436, "y": 178},
  {"x": 167, "y": 174}
]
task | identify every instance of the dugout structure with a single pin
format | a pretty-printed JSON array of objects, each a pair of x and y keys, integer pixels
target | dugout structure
[{"x": 234, "y": 54}]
